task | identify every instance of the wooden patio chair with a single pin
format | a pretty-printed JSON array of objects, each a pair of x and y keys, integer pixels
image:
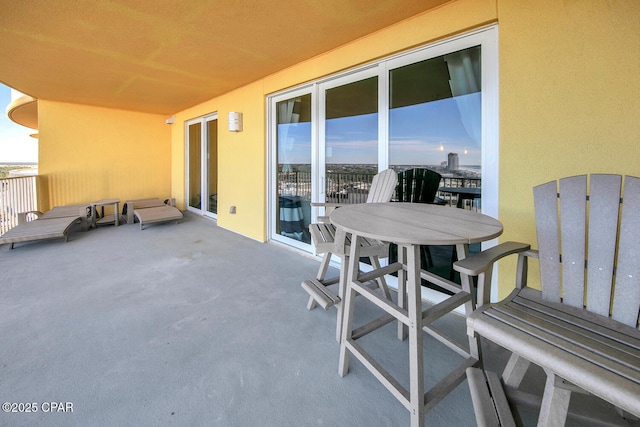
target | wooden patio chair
[
  {"x": 582, "y": 326},
  {"x": 329, "y": 242},
  {"x": 418, "y": 185}
]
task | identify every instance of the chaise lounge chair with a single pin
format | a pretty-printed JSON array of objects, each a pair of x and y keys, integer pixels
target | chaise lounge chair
[
  {"x": 150, "y": 211},
  {"x": 53, "y": 224}
]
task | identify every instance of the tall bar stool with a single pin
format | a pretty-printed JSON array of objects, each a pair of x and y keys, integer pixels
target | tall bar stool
[{"x": 330, "y": 242}]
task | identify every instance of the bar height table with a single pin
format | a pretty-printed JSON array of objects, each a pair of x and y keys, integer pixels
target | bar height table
[{"x": 409, "y": 225}]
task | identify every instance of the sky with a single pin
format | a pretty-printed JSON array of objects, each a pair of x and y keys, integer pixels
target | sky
[
  {"x": 16, "y": 145},
  {"x": 420, "y": 134}
]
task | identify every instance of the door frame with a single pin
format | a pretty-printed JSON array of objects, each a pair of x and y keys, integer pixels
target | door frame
[
  {"x": 272, "y": 162},
  {"x": 319, "y": 177},
  {"x": 204, "y": 164}
]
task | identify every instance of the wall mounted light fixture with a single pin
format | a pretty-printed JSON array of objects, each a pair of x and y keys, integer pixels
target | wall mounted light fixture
[{"x": 235, "y": 122}]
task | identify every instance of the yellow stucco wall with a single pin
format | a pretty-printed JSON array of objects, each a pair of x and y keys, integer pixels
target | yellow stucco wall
[
  {"x": 569, "y": 102},
  {"x": 88, "y": 153},
  {"x": 453, "y": 18},
  {"x": 242, "y": 159}
]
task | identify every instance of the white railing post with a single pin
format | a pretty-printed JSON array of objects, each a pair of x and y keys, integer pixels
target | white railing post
[{"x": 16, "y": 195}]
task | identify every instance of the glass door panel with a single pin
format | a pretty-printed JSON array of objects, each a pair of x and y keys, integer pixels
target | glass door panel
[
  {"x": 195, "y": 164},
  {"x": 435, "y": 115},
  {"x": 202, "y": 165},
  {"x": 212, "y": 167},
  {"x": 350, "y": 140},
  {"x": 293, "y": 176},
  {"x": 435, "y": 107}
]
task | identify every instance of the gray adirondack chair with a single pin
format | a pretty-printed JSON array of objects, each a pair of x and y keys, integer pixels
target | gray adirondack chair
[
  {"x": 582, "y": 327},
  {"x": 329, "y": 241}
]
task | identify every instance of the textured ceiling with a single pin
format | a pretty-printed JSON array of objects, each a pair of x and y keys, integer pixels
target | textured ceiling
[{"x": 162, "y": 56}]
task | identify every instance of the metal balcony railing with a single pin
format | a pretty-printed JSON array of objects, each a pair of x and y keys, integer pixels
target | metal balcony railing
[
  {"x": 348, "y": 187},
  {"x": 340, "y": 187},
  {"x": 16, "y": 195},
  {"x": 294, "y": 191},
  {"x": 351, "y": 187}
]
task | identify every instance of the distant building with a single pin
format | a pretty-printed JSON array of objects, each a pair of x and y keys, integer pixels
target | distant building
[{"x": 453, "y": 163}]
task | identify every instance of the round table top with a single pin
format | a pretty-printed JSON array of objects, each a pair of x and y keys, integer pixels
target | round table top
[{"x": 416, "y": 223}]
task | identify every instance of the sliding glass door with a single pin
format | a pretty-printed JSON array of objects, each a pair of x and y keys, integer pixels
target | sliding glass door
[
  {"x": 435, "y": 117},
  {"x": 211, "y": 204},
  {"x": 292, "y": 160},
  {"x": 202, "y": 165},
  {"x": 434, "y": 107},
  {"x": 194, "y": 164},
  {"x": 348, "y": 137}
]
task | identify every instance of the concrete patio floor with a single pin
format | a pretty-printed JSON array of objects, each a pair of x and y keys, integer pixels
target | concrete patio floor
[{"x": 190, "y": 325}]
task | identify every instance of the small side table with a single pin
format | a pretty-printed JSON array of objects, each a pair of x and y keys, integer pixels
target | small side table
[{"x": 108, "y": 219}]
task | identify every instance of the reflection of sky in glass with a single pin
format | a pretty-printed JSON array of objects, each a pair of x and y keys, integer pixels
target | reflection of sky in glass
[
  {"x": 422, "y": 134},
  {"x": 352, "y": 140},
  {"x": 294, "y": 143}
]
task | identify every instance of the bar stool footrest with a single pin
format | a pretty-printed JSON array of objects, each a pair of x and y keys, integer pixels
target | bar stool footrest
[{"x": 320, "y": 294}]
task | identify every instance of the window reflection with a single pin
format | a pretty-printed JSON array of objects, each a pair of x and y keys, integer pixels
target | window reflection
[
  {"x": 294, "y": 168},
  {"x": 351, "y": 140},
  {"x": 435, "y": 117}
]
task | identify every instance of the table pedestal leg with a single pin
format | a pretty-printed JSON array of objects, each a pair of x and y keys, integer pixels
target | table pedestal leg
[
  {"x": 402, "y": 291},
  {"x": 416, "y": 365}
]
